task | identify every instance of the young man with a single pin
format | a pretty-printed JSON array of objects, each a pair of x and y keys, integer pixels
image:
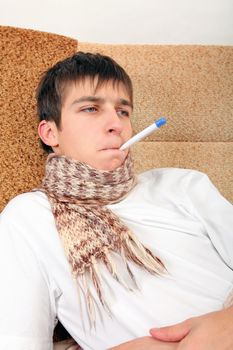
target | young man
[{"x": 109, "y": 254}]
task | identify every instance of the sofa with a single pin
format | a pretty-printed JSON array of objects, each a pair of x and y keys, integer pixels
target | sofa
[{"x": 190, "y": 85}]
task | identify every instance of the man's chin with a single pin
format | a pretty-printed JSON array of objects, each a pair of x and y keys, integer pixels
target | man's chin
[
  {"x": 115, "y": 165},
  {"x": 112, "y": 163}
]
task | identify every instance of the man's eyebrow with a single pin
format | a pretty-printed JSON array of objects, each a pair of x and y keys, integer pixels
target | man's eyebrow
[
  {"x": 97, "y": 99},
  {"x": 125, "y": 102},
  {"x": 88, "y": 99}
]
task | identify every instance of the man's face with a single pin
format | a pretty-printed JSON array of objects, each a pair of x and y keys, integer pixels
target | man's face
[{"x": 94, "y": 124}]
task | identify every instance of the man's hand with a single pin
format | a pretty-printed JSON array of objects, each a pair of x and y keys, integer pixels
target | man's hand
[
  {"x": 212, "y": 331},
  {"x": 145, "y": 343},
  {"x": 66, "y": 345}
]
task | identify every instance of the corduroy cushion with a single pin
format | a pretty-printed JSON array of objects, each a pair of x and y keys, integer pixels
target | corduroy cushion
[{"x": 25, "y": 55}]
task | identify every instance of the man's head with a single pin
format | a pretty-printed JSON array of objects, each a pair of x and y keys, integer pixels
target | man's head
[{"x": 84, "y": 106}]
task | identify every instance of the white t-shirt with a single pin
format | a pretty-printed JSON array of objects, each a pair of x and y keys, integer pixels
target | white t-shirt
[{"x": 176, "y": 213}]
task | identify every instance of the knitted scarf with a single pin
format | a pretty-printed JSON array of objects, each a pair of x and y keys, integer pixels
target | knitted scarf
[{"x": 90, "y": 232}]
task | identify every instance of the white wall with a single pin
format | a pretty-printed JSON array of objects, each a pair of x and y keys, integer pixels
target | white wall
[{"x": 126, "y": 21}]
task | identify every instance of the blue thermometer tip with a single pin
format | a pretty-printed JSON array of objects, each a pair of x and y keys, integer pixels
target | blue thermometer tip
[{"x": 160, "y": 122}]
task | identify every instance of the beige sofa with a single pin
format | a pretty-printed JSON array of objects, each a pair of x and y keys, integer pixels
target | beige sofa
[{"x": 191, "y": 85}]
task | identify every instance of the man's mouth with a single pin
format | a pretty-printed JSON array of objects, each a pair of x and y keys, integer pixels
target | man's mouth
[{"x": 110, "y": 148}]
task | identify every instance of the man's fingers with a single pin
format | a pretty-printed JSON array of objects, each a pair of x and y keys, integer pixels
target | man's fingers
[{"x": 171, "y": 333}]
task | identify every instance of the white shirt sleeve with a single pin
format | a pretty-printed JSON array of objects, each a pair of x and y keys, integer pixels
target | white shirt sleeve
[
  {"x": 26, "y": 321},
  {"x": 215, "y": 212}
]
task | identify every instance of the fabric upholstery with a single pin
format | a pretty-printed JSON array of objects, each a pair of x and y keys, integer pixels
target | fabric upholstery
[{"x": 192, "y": 86}]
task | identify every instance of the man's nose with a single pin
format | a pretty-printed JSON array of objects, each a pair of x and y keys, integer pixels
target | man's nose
[{"x": 114, "y": 124}]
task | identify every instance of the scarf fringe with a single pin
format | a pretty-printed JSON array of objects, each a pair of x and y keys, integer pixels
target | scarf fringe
[
  {"x": 113, "y": 270},
  {"x": 142, "y": 256},
  {"x": 131, "y": 249},
  {"x": 97, "y": 280}
]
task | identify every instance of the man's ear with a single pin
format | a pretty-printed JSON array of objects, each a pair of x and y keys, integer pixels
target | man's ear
[{"x": 47, "y": 131}]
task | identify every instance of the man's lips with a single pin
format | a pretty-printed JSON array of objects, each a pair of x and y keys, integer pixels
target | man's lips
[{"x": 110, "y": 148}]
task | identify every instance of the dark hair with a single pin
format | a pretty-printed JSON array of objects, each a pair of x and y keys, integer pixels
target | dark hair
[{"x": 53, "y": 84}]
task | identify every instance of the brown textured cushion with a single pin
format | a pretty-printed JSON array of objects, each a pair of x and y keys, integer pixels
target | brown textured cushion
[{"x": 25, "y": 54}]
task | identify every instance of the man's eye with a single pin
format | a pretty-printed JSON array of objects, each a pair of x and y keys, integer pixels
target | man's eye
[
  {"x": 123, "y": 113},
  {"x": 89, "y": 109}
]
